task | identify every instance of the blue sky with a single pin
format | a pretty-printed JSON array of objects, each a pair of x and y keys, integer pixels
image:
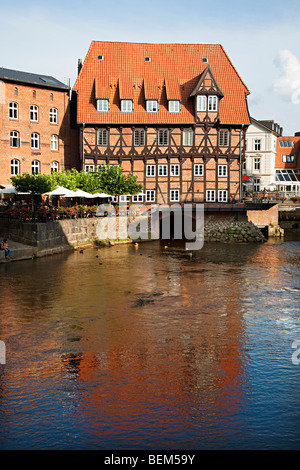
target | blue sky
[{"x": 262, "y": 39}]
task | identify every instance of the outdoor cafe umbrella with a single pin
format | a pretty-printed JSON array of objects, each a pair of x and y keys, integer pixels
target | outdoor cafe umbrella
[
  {"x": 103, "y": 195},
  {"x": 81, "y": 193},
  {"x": 60, "y": 191},
  {"x": 10, "y": 190}
]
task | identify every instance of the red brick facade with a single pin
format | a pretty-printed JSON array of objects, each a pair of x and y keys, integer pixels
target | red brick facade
[{"x": 35, "y": 132}]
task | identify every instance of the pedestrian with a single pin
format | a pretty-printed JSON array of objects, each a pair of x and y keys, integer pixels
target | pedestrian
[{"x": 4, "y": 246}]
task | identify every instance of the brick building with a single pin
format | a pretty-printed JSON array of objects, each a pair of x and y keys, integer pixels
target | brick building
[
  {"x": 287, "y": 166},
  {"x": 174, "y": 114},
  {"x": 35, "y": 132}
]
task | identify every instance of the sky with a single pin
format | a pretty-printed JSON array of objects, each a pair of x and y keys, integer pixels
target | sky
[{"x": 261, "y": 38}]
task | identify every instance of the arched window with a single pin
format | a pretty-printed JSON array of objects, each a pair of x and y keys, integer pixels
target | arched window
[
  {"x": 34, "y": 94},
  {"x": 34, "y": 113},
  {"x": 35, "y": 167},
  {"x": 53, "y": 115},
  {"x": 54, "y": 167},
  {"x": 14, "y": 167},
  {"x": 54, "y": 142},
  {"x": 13, "y": 110},
  {"x": 51, "y": 96},
  {"x": 35, "y": 140},
  {"x": 16, "y": 91},
  {"x": 14, "y": 139}
]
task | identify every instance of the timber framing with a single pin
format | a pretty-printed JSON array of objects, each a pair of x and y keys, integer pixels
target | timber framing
[{"x": 197, "y": 150}]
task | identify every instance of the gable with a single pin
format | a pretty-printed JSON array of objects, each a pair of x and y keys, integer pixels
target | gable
[{"x": 207, "y": 84}]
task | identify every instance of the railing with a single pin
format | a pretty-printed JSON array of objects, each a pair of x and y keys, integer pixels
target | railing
[{"x": 270, "y": 196}]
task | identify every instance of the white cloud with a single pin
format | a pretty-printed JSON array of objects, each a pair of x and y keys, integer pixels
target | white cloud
[{"x": 288, "y": 85}]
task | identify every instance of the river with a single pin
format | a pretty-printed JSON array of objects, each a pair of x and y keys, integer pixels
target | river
[{"x": 147, "y": 347}]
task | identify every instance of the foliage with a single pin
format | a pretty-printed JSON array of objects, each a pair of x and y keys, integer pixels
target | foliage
[
  {"x": 34, "y": 184},
  {"x": 109, "y": 179}
]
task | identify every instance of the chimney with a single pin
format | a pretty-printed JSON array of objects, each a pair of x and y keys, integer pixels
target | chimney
[{"x": 79, "y": 65}]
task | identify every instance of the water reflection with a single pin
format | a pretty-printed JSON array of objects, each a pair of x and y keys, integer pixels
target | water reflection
[{"x": 150, "y": 347}]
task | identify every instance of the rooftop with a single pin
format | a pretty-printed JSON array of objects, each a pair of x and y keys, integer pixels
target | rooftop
[
  {"x": 45, "y": 81},
  {"x": 138, "y": 71}
]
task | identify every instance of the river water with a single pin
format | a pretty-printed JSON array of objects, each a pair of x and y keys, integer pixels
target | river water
[{"x": 150, "y": 348}]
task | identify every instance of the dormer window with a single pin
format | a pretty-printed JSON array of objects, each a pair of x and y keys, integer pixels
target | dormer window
[
  {"x": 213, "y": 103},
  {"x": 174, "y": 106},
  {"x": 103, "y": 106},
  {"x": 201, "y": 103},
  {"x": 152, "y": 106},
  {"x": 126, "y": 106}
]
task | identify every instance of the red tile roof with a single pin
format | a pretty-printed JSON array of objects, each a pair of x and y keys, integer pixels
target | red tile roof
[{"x": 172, "y": 72}]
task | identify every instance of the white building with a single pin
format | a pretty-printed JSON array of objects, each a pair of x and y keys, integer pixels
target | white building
[{"x": 261, "y": 144}]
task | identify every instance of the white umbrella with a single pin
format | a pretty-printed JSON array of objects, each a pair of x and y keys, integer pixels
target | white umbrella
[
  {"x": 101, "y": 195},
  {"x": 10, "y": 190},
  {"x": 81, "y": 193},
  {"x": 60, "y": 191}
]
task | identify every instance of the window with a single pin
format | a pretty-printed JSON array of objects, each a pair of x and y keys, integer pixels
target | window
[
  {"x": 35, "y": 167},
  {"x": 103, "y": 106},
  {"x": 54, "y": 167},
  {"x": 257, "y": 144},
  {"x": 139, "y": 137},
  {"x": 198, "y": 169},
  {"x": 174, "y": 195},
  {"x": 14, "y": 167},
  {"x": 35, "y": 140},
  {"x": 212, "y": 103},
  {"x": 53, "y": 115},
  {"x": 34, "y": 94},
  {"x": 138, "y": 197},
  {"x": 222, "y": 195},
  {"x": 88, "y": 168},
  {"x": 51, "y": 96},
  {"x": 163, "y": 137},
  {"x": 126, "y": 106},
  {"x": 286, "y": 143},
  {"x": 222, "y": 170},
  {"x": 162, "y": 170},
  {"x": 223, "y": 138},
  {"x": 256, "y": 163},
  {"x": 150, "y": 170},
  {"x": 256, "y": 184},
  {"x": 124, "y": 198},
  {"x": 201, "y": 103},
  {"x": 14, "y": 139},
  {"x": 13, "y": 110},
  {"x": 102, "y": 137},
  {"x": 54, "y": 142},
  {"x": 174, "y": 170},
  {"x": 210, "y": 195},
  {"x": 150, "y": 195},
  {"x": 152, "y": 106},
  {"x": 34, "y": 113},
  {"x": 16, "y": 91},
  {"x": 187, "y": 138},
  {"x": 174, "y": 106},
  {"x": 288, "y": 158}
]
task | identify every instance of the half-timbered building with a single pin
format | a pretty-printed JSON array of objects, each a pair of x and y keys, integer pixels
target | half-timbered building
[{"x": 175, "y": 115}]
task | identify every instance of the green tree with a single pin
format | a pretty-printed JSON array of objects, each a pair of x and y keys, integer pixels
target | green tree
[{"x": 34, "y": 184}]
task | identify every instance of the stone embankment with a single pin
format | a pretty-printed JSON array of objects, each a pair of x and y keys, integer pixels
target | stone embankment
[{"x": 232, "y": 231}]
